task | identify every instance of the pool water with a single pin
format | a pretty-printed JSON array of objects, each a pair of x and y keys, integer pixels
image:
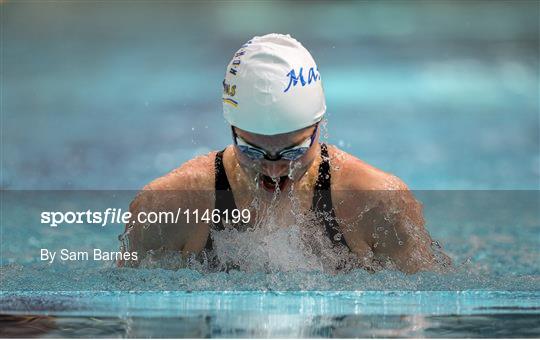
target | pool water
[{"x": 274, "y": 314}]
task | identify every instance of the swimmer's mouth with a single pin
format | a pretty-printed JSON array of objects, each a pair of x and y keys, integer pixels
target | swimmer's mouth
[{"x": 270, "y": 185}]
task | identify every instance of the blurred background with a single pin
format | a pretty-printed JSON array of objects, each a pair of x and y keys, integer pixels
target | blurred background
[{"x": 110, "y": 95}]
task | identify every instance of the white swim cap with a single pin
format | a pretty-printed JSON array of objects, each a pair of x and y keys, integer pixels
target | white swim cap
[{"x": 272, "y": 86}]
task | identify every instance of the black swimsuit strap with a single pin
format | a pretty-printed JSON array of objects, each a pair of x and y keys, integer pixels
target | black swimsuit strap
[
  {"x": 224, "y": 196},
  {"x": 322, "y": 199}
]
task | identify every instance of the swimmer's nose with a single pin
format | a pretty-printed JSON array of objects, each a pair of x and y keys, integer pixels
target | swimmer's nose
[{"x": 275, "y": 169}]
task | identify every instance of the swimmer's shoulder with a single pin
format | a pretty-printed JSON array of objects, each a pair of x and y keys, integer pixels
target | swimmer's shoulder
[
  {"x": 192, "y": 183},
  {"x": 352, "y": 173},
  {"x": 195, "y": 174}
]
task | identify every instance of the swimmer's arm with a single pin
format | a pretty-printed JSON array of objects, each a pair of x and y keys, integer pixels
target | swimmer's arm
[
  {"x": 184, "y": 236},
  {"x": 189, "y": 187},
  {"x": 402, "y": 238},
  {"x": 380, "y": 218},
  {"x": 385, "y": 228},
  {"x": 138, "y": 237}
]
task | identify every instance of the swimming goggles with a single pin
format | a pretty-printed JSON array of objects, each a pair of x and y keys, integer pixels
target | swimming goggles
[{"x": 291, "y": 154}]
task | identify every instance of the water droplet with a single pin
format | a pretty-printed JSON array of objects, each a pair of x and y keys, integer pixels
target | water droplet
[
  {"x": 337, "y": 237},
  {"x": 400, "y": 243}
]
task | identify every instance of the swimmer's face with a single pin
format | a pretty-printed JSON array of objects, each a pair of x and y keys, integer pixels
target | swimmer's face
[{"x": 273, "y": 144}]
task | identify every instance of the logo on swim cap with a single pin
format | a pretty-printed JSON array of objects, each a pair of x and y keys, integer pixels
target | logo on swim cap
[
  {"x": 293, "y": 79},
  {"x": 272, "y": 85},
  {"x": 229, "y": 90}
]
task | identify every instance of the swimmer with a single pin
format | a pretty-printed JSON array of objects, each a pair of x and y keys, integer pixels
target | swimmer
[{"x": 274, "y": 102}]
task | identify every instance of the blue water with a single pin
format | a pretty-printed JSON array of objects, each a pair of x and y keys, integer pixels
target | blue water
[
  {"x": 443, "y": 95},
  {"x": 109, "y": 96},
  {"x": 300, "y": 314}
]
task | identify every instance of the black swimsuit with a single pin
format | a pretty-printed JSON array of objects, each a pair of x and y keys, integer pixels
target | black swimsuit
[{"x": 322, "y": 198}]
